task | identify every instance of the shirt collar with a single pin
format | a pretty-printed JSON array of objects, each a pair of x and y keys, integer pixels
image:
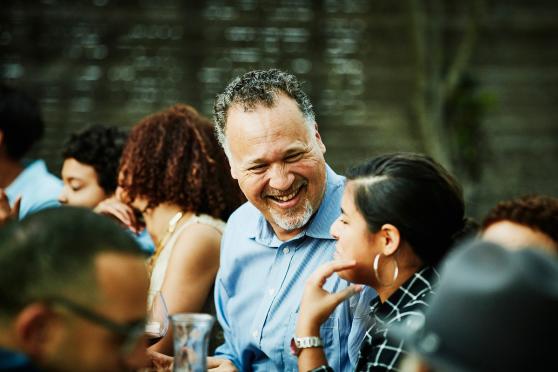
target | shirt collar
[
  {"x": 411, "y": 289},
  {"x": 330, "y": 207},
  {"x": 318, "y": 226}
]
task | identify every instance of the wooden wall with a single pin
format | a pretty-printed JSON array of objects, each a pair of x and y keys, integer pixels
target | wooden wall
[{"x": 117, "y": 61}]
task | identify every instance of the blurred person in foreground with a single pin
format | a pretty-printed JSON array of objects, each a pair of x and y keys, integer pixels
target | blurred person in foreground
[
  {"x": 525, "y": 221},
  {"x": 90, "y": 174},
  {"x": 400, "y": 214},
  {"x": 73, "y": 289},
  {"x": 494, "y": 311},
  {"x": 266, "y": 124},
  {"x": 174, "y": 173},
  {"x": 25, "y": 186}
]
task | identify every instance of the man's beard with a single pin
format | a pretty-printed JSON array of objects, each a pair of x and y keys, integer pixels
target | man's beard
[{"x": 293, "y": 220}]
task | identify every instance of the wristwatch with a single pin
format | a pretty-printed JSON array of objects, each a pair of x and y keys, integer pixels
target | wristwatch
[{"x": 298, "y": 343}]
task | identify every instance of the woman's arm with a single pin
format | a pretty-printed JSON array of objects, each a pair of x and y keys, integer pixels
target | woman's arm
[
  {"x": 316, "y": 306},
  {"x": 190, "y": 274}
]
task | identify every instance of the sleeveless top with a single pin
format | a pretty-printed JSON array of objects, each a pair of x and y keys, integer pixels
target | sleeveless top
[{"x": 160, "y": 267}]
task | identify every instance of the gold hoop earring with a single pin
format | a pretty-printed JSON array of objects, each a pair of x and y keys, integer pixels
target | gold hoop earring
[{"x": 377, "y": 274}]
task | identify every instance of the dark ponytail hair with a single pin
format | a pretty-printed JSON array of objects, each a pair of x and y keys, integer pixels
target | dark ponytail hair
[{"x": 415, "y": 194}]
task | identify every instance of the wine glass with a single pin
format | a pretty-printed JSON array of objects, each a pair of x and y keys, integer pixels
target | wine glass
[{"x": 157, "y": 323}]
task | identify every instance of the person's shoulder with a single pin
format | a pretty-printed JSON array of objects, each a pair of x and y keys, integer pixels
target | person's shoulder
[
  {"x": 38, "y": 188},
  {"x": 197, "y": 240},
  {"x": 241, "y": 226},
  {"x": 37, "y": 176},
  {"x": 245, "y": 213},
  {"x": 50, "y": 184}
]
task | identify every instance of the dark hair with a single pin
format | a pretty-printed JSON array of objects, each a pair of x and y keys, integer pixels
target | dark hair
[
  {"x": 171, "y": 157},
  {"x": 415, "y": 194},
  {"x": 99, "y": 147},
  {"x": 259, "y": 87},
  {"x": 20, "y": 121},
  {"x": 538, "y": 212},
  {"x": 52, "y": 252}
]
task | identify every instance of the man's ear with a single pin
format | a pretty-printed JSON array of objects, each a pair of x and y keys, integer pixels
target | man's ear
[
  {"x": 319, "y": 139},
  {"x": 33, "y": 329},
  {"x": 390, "y": 238}
]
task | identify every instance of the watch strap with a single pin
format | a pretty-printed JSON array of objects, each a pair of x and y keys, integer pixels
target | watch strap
[
  {"x": 299, "y": 343},
  {"x": 306, "y": 342}
]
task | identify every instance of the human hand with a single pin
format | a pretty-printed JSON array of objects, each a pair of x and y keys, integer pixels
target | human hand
[
  {"x": 121, "y": 212},
  {"x": 220, "y": 365},
  {"x": 159, "y": 362},
  {"x": 7, "y": 212},
  {"x": 317, "y": 304}
]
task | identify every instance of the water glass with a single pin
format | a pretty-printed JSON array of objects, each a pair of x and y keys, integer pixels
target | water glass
[{"x": 191, "y": 333}]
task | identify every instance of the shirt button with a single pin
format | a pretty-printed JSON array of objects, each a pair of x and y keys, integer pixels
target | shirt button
[{"x": 286, "y": 250}]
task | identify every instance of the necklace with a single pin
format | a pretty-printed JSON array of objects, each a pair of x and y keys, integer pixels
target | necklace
[{"x": 171, "y": 227}]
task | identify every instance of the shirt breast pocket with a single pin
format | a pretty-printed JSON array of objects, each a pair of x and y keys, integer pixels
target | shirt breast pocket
[{"x": 329, "y": 333}]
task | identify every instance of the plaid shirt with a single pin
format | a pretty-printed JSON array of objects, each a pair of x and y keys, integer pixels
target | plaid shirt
[{"x": 378, "y": 351}]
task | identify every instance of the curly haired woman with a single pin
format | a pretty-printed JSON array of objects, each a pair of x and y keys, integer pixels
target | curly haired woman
[{"x": 173, "y": 171}]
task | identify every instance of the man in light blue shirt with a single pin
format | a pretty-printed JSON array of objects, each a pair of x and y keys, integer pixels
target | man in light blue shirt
[
  {"x": 271, "y": 245},
  {"x": 38, "y": 188},
  {"x": 21, "y": 126}
]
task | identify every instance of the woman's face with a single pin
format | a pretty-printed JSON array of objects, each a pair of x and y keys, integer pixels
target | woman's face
[
  {"x": 354, "y": 240},
  {"x": 81, "y": 186}
]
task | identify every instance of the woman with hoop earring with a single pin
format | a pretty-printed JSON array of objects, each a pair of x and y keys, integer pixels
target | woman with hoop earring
[{"x": 400, "y": 215}]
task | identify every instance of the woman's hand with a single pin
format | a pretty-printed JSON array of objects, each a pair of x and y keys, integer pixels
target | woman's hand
[
  {"x": 159, "y": 362},
  {"x": 317, "y": 304},
  {"x": 121, "y": 212},
  {"x": 6, "y": 212},
  {"x": 215, "y": 364}
]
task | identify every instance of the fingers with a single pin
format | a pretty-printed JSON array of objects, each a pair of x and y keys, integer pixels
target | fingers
[
  {"x": 16, "y": 207},
  {"x": 4, "y": 201},
  {"x": 220, "y": 365},
  {"x": 325, "y": 271},
  {"x": 213, "y": 362},
  {"x": 118, "y": 210},
  {"x": 161, "y": 360},
  {"x": 7, "y": 212},
  {"x": 342, "y": 295}
]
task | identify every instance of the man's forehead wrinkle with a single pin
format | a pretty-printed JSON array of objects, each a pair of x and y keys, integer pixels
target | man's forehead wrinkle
[{"x": 272, "y": 135}]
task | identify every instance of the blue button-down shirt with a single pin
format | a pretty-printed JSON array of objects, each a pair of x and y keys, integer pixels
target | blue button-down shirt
[
  {"x": 37, "y": 187},
  {"x": 260, "y": 283}
]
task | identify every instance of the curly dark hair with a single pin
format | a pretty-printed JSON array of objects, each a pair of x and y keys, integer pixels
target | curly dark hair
[
  {"x": 259, "y": 87},
  {"x": 539, "y": 212},
  {"x": 20, "y": 121},
  {"x": 100, "y": 147},
  {"x": 173, "y": 156}
]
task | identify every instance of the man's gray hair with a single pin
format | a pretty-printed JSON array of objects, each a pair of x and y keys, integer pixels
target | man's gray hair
[{"x": 259, "y": 87}]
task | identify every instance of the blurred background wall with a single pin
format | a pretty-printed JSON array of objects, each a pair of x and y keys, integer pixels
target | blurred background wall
[{"x": 472, "y": 83}]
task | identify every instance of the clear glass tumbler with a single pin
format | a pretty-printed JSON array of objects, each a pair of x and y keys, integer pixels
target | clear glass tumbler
[{"x": 191, "y": 333}]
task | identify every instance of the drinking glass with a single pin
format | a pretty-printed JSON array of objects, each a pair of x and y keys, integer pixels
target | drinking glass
[
  {"x": 190, "y": 337},
  {"x": 157, "y": 323}
]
